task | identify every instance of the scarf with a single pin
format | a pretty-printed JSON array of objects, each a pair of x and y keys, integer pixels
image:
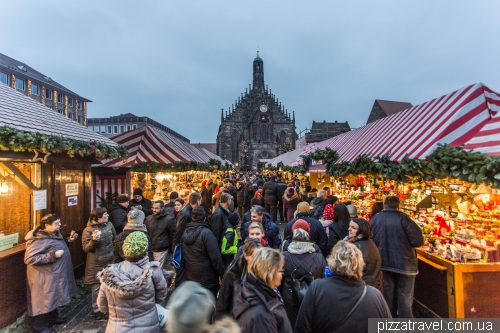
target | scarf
[{"x": 301, "y": 247}]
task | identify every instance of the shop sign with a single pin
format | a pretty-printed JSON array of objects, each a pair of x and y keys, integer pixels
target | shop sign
[
  {"x": 40, "y": 199},
  {"x": 9, "y": 241},
  {"x": 71, "y": 189},
  {"x": 316, "y": 162},
  {"x": 72, "y": 201}
]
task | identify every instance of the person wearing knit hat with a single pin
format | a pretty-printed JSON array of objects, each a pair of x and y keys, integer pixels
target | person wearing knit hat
[
  {"x": 255, "y": 202},
  {"x": 140, "y": 202},
  {"x": 135, "y": 245},
  {"x": 316, "y": 232},
  {"x": 131, "y": 289},
  {"x": 302, "y": 224},
  {"x": 135, "y": 223},
  {"x": 327, "y": 218},
  {"x": 190, "y": 308}
]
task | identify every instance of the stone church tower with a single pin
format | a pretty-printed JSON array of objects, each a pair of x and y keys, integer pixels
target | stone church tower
[{"x": 256, "y": 126}]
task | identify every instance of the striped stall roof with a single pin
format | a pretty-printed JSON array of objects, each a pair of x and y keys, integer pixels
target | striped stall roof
[
  {"x": 468, "y": 116},
  {"x": 150, "y": 144}
]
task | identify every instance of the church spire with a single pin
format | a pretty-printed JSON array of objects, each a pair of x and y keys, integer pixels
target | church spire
[{"x": 258, "y": 73}]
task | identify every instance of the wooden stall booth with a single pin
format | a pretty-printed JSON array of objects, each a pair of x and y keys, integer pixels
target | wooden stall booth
[{"x": 45, "y": 167}]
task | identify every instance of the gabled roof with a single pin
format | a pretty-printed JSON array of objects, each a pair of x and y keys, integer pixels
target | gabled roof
[
  {"x": 24, "y": 70},
  {"x": 24, "y": 113},
  {"x": 392, "y": 107},
  {"x": 151, "y": 144},
  {"x": 469, "y": 116}
]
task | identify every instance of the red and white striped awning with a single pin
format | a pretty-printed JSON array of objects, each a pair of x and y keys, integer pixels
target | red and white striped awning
[
  {"x": 469, "y": 116},
  {"x": 150, "y": 144}
]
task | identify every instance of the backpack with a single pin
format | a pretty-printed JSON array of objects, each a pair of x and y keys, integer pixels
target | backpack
[
  {"x": 299, "y": 285},
  {"x": 229, "y": 241}
]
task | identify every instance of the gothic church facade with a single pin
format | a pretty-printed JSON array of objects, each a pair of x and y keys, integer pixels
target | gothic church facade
[{"x": 256, "y": 127}]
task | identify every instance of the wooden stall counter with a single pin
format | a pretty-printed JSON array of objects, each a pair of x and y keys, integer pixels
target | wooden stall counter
[{"x": 457, "y": 290}]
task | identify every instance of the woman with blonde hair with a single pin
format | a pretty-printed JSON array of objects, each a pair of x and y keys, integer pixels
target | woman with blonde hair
[
  {"x": 344, "y": 294},
  {"x": 257, "y": 305}
]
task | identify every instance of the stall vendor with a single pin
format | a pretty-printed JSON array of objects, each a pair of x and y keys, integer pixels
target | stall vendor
[{"x": 141, "y": 202}]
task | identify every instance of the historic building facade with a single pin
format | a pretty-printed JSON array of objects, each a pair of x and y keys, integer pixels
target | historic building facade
[{"x": 256, "y": 127}]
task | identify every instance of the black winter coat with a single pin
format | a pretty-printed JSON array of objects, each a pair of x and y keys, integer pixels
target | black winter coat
[
  {"x": 260, "y": 182},
  {"x": 318, "y": 211},
  {"x": 202, "y": 258},
  {"x": 218, "y": 223},
  {"x": 371, "y": 257},
  {"x": 145, "y": 203},
  {"x": 117, "y": 216},
  {"x": 183, "y": 218},
  {"x": 316, "y": 233},
  {"x": 236, "y": 271},
  {"x": 329, "y": 300},
  {"x": 397, "y": 236},
  {"x": 270, "y": 193},
  {"x": 299, "y": 262},
  {"x": 257, "y": 308},
  {"x": 206, "y": 199},
  {"x": 161, "y": 229},
  {"x": 271, "y": 231},
  {"x": 281, "y": 190},
  {"x": 242, "y": 197},
  {"x": 337, "y": 231}
]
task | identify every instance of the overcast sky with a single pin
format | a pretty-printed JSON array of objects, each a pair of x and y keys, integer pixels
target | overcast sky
[{"x": 181, "y": 62}]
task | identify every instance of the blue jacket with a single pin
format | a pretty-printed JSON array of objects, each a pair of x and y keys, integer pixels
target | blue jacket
[
  {"x": 397, "y": 236},
  {"x": 271, "y": 230}
]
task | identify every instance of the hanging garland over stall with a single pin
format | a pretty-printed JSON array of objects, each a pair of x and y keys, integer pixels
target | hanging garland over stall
[
  {"x": 12, "y": 139},
  {"x": 179, "y": 166}
]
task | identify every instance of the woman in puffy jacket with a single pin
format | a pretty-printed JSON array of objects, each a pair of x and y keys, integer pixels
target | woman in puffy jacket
[
  {"x": 257, "y": 303},
  {"x": 130, "y": 289},
  {"x": 97, "y": 242},
  {"x": 301, "y": 259}
]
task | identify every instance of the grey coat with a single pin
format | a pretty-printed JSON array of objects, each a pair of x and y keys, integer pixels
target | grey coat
[
  {"x": 129, "y": 293},
  {"x": 100, "y": 253},
  {"x": 51, "y": 282}
]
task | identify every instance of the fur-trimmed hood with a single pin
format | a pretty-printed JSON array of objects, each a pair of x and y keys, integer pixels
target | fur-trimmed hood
[
  {"x": 301, "y": 247},
  {"x": 38, "y": 233},
  {"x": 127, "y": 278},
  {"x": 293, "y": 197}
]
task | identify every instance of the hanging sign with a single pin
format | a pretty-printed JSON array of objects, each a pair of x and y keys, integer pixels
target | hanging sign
[
  {"x": 40, "y": 199},
  {"x": 71, "y": 189},
  {"x": 9, "y": 241}
]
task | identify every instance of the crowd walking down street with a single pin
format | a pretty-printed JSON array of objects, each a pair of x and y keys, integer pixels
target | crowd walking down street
[{"x": 227, "y": 265}]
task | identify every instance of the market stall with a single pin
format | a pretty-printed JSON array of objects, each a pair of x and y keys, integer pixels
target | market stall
[{"x": 45, "y": 168}]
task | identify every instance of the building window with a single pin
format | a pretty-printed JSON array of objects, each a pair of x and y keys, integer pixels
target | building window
[
  {"x": 20, "y": 84},
  {"x": 79, "y": 105},
  {"x": 60, "y": 98},
  {"x": 122, "y": 128},
  {"x": 109, "y": 131},
  {"x": 70, "y": 101},
  {"x": 34, "y": 89},
  {"x": 48, "y": 93},
  {"x": 134, "y": 126},
  {"x": 103, "y": 129},
  {"x": 128, "y": 127},
  {"x": 80, "y": 119},
  {"x": 60, "y": 111},
  {"x": 115, "y": 129},
  {"x": 70, "y": 115},
  {"x": 5, "y": 78}
]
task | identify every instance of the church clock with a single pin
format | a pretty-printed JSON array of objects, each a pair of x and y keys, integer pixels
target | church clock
[{"x": 263, "y": 108}]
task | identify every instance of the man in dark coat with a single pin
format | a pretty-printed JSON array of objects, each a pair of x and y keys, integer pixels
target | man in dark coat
[
  {"x": 281, "y": 190},
  {"x": 270, "y": 196},
  {"x": 219, "y": 218},
  {"x": 135, "y": 223},
  {"x": 397, "y": 236},
  {"x": 118, "y": 213},
  {"x": 241, "y": 198},
  {"x": 319, "y": 204},
  {"x": 171, "y": 203},
  {"x": 206, "y": 198},
  {"x": 228, "y": 184},
  {"x": 211, "y": 186},
  {"x": 271, "y": 230},
  {"x": 183, "y": 218},
  {"x": 202, "y": 258},
  {"x": 317, "y": 233},
  {"x": 141, "y": 202},
  {"x": 161, "y": 229}
]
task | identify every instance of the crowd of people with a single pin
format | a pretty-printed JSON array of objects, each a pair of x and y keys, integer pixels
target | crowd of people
[{"x": 230, "y": 268}]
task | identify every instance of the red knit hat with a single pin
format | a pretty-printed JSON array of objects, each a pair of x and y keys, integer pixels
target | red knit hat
[
  {"x": 204, "y": 183},
  {"x": 302, "y": 224},
  {"x": 328, "y": 212}
]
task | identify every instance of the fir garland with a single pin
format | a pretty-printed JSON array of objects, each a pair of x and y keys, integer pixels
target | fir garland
[
  {"x": 328, "y": 155},
  {"x": 178, "y": 166},
  {"x": 12, "y": 139}
]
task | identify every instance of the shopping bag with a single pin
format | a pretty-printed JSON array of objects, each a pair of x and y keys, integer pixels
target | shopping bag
[
  {"x": 177, "y": 258},
  {"x": 162, "y": 315}
]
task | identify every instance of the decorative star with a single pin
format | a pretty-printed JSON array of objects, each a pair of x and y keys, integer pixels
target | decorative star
[{"x": 43, "y": 159}]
